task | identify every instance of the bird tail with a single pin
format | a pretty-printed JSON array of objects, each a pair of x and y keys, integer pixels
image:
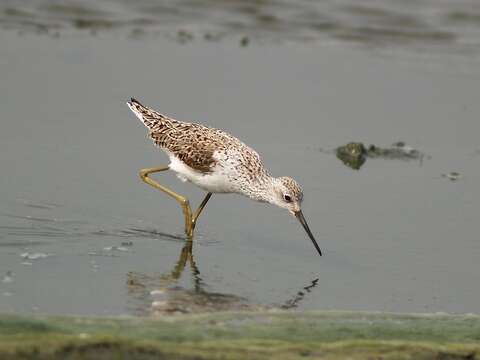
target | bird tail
[{"x": 152, "y": 119}]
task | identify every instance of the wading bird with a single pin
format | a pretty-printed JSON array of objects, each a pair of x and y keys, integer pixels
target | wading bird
[{"x": 217, "y": 162}]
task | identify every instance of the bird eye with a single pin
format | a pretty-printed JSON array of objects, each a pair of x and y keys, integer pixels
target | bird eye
[{"x": 287, "y": 198}]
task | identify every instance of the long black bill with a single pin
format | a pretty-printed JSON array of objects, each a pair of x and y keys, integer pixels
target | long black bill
[{"x": 299, "y": 216}]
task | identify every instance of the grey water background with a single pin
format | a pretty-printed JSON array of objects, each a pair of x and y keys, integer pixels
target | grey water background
[{"x": 76, "y": 223}]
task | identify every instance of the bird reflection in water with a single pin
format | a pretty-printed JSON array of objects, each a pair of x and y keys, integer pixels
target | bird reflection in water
[
  {"x": 297, "y": 299},
  {"x": 161, "y": 294},
  {"x": 157, "y": 295}
]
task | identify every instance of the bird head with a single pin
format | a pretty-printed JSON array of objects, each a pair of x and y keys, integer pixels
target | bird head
[{"x": 288, "y": 194}]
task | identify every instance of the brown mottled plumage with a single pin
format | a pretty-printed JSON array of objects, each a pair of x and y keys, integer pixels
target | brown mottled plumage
[{"x": 194, "y": 144}]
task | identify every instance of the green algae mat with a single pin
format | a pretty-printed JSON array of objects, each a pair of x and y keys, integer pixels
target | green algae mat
[{"x": 243, "y": 335}]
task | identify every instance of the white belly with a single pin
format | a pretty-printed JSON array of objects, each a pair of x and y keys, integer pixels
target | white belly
[{"x": 214, "y": 182}]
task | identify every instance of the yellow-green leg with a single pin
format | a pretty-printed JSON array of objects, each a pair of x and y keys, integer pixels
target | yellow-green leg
[
  {"x": 197, "y": 213},
  {"x": 190, "y": 218}
]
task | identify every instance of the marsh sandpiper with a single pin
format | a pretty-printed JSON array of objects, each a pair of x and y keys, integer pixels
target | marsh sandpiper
[{"x": 217, "y": 162}]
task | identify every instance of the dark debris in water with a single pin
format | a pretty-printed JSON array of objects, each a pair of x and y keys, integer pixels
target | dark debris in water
[
  {"x": 184, "y": 36},
  {"x": 8, "y": 277},
  {"x": 352, "y": 155},
  {"x": 355, "y": 154},
  {"x": 452, "y": 176},
  {"x": 244, "y": 41}
]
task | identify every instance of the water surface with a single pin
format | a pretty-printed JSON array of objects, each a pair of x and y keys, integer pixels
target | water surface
[{"x": 79, "y": 232}]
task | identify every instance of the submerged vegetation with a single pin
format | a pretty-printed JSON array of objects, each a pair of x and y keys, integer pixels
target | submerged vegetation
[
  {"x": 257, "y": 335},
  {"x": 354, "y": 154}
]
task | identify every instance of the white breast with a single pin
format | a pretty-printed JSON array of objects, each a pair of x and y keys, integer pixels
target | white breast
[{"x": 216, "y": 181}]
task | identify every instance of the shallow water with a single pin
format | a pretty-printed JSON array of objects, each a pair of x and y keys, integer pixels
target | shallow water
[{"x": 79, "y": 232}]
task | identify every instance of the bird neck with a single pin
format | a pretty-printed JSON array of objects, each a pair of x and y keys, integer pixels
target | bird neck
[{"x": 262, "y": 189}]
